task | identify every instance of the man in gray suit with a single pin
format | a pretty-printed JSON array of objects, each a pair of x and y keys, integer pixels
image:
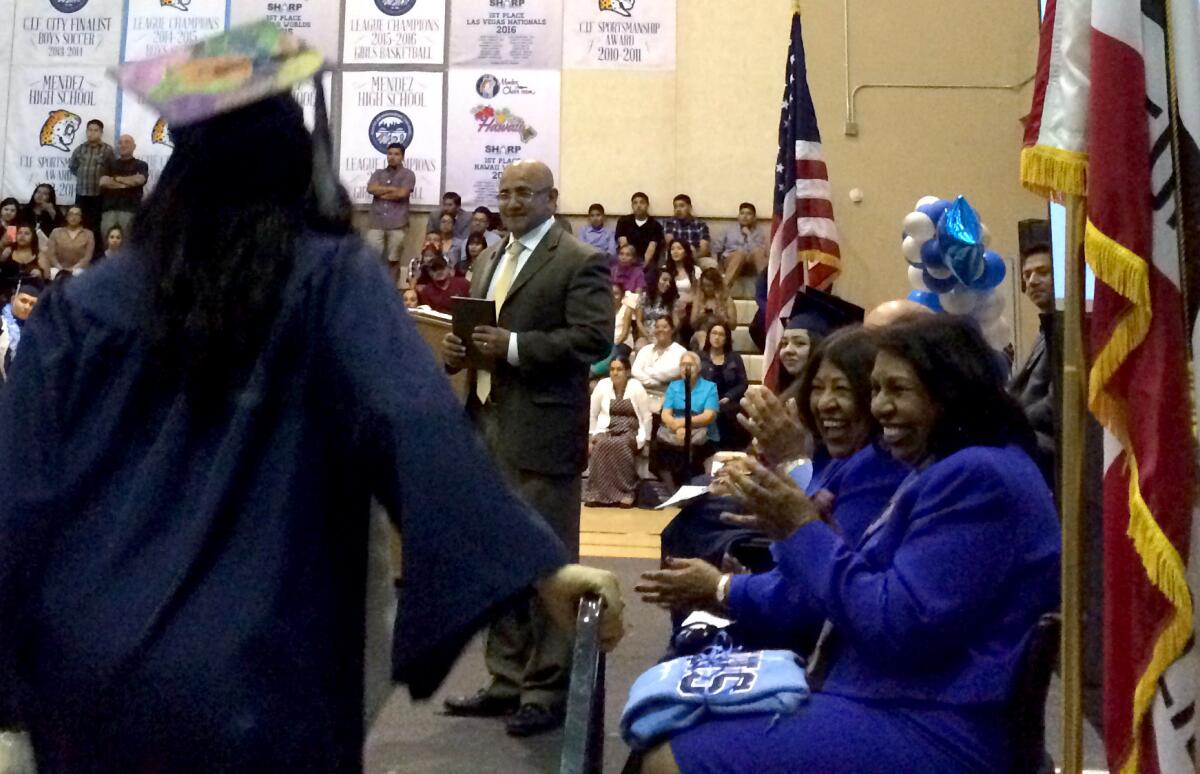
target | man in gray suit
[{"x": 554, "y": 319}]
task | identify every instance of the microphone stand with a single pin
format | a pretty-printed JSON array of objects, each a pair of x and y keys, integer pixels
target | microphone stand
[{"x": 687, "y": 422}]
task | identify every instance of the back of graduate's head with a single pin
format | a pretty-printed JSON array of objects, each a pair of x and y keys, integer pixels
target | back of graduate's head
[
  {"x": 218, "y": 235},
  {"x": 968, "y": 404}
]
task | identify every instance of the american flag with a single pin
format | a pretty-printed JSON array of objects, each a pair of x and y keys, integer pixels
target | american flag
[{"x": 804, "y": 238}]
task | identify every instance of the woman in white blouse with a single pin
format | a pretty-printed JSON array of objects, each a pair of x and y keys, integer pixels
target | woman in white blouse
[{"x": 619, "y": 428}]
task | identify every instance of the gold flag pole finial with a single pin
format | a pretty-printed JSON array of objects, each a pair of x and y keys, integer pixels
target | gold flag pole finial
[{"x": 795, "y": 6}]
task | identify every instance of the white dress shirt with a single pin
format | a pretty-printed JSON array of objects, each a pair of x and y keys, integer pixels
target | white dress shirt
[{"x": 529, "y": 242}]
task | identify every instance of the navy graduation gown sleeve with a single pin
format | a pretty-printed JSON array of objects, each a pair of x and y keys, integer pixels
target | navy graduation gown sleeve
[
  {"x": 28, "y": 424},
  {"x": 469, "y": 545}
]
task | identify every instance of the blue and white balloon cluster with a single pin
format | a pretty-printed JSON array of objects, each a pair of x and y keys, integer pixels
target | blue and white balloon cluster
[{"x": 951, "y": 269}]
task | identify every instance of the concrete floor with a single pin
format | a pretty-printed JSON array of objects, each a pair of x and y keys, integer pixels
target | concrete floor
[{"x": 414, "y": 738}]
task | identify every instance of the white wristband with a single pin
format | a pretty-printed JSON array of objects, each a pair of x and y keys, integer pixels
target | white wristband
[{"x": 722, "y": 594}]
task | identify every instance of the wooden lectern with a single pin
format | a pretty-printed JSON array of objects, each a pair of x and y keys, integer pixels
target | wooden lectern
[{"x": 433, "y": 327}]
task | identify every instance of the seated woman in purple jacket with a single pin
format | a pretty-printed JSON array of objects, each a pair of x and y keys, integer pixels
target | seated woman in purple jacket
[
  {"x": 855, "y": 481},
  {"x": 927, "y": 615}
]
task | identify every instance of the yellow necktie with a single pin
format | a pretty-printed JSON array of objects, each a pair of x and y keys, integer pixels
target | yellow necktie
[{"x": 504, "y": 279}]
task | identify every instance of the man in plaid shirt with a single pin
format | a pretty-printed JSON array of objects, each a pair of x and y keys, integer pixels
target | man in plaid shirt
[
  {"x": 87, "y": 164},
  {"x": 688, "y": 229}
]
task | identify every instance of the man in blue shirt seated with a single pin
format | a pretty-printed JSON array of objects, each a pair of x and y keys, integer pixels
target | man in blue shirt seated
[{"x": 598, "y": 235}]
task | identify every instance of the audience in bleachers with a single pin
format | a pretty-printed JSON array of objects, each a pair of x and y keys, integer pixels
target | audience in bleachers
[
  {"x": 620, "y": 427},
  {"x": 451, "y": 243},
  {"x": 12, "y": 321},
  {"x": 451, "y": 205},
  {"x": 599, "y": 236},
  {"x": 658, "y": 363},
  {"x": 711, "y": 304},
  {"x": 660, "y": 299},
  {"x": 920, "y": 625},
  {"x": 681, "y": 264},
  {"x": 472, "y": 248},
  {"x": 70, "y": 247},
  {"x": 742, "y": 245},
  {"x": 42, "y": 210},
  {"x": 644, "y": 232},
  {"x": 442, "y": 285},
  {"x": 122, "y": 182},
  {"x": 114, "y": 239},
  {"x": 687, "y": 228},
  {"x": 9, "y": 208},
  {"x": 481, "y": 225},
  {"x": 677, "y": 456},
  {"x": 627, "y": 272},
  {"x": 722, "y": 366},
  {"x": 23, "y": 258}
]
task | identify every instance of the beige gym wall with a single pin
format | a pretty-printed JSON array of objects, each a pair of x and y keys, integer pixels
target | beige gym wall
[{"x": 710, "y": 128}]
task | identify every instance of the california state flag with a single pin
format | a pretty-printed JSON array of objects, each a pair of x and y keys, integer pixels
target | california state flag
[{"x": 1139, "y": 387}]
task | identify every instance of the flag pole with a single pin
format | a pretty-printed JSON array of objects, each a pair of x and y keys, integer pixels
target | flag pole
[{"x": 1074, "y": 416}]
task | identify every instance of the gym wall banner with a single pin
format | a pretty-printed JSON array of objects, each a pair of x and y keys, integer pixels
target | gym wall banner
[
  {"x": 380, "y": 108},
  {"x": 314, "y": 21},
  {"x": 509, "y": 33},
  {"x": 50, "y": 106},
  {"x": 395, "y": 32},
  {"x": 69, "y": 32},
  {"x": 494, "y": 118},
  {"x": 619, "y": 35},
  {"x": 154, "y": 27}
]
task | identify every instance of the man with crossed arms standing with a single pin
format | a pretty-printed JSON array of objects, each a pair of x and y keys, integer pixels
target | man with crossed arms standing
[{"x": 554, "y": 318}]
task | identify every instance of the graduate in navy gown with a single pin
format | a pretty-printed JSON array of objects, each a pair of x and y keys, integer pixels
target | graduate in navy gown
[
  {"x": 928, "y": 614},
  {"x": 203, "y": 421}
]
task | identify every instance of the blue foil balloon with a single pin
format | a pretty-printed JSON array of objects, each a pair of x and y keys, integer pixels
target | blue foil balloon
[
  {"x": 925, "y": 298},
  {"x": 993, "y": 272},
  {"x": 939, "y": 285},
  {"x": 960, "y": 239},
  {"x": 931, "y": 253}
]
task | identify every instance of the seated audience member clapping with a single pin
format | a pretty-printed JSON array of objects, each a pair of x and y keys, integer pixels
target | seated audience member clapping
[
  {"x": 926, "y": 617},
  {"x": 442, "y": 286},
  {"x": 723, "y": 367},
  {"x": 657, "y": 364},
  {"x": 677, "y": 456},
  {"x": 619, "y": 429},
  {"x": 418, "y": 268}
]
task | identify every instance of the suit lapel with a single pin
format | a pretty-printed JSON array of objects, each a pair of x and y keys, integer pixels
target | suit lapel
[
  {"x": 541, "y": 256},
  {"x": 482, "y": 280}
]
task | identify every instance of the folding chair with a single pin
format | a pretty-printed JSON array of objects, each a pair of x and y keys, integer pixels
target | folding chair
[{"x": 583, "y": 730}]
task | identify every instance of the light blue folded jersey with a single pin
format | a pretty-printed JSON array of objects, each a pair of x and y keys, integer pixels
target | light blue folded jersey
[{"x": 680, "y": 693}]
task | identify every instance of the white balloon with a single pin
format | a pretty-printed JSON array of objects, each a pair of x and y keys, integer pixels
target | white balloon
[
  {"x": 998, "y": 333},
  {"x": 939, "y": 272},
  {"x": 958, "y": 301},
  {"x": 996, "y": 302},
  {"x": 916, "y": 278},
  {"x": 926, "y": 200},
  {"x": 986, "y": 308},
  {"x": 986, "y": 236},
  {"x": 918, "y": 226},
  {"x": 911, "y": 249}
]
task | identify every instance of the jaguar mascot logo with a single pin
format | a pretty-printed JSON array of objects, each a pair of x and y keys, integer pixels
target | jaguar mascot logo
[{"x": 59, "y": 130}]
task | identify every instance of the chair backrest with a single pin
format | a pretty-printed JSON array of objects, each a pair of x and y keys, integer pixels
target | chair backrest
[
  {"x": 583, "y": 729},
  {"x": 1027, "y": 705}
]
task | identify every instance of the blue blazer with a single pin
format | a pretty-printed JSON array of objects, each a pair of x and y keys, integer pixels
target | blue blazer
[{"x": 937, "y": 599}]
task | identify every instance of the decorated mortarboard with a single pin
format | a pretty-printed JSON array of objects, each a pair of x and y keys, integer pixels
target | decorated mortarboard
[
  {"x": 817, "y": 315},
  {"x": 239, "y": 67}
]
